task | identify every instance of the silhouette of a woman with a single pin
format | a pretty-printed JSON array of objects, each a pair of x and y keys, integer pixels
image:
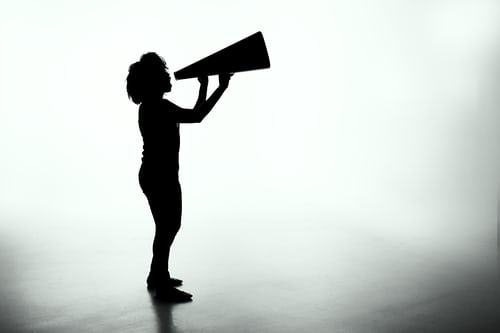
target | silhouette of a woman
[{"x": 147, "y": 81}]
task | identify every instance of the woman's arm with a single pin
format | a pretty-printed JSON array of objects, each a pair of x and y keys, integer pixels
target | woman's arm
[
  {"x": 202, "y": 107},
  {"x": 202, "y": 94}
]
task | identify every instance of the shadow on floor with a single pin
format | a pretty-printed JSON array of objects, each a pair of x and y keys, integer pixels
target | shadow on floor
[{"x": 164, "y": 318}]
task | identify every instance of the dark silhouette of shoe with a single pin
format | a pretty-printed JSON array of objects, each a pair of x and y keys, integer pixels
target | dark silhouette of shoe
[
  {"x": 175, "y": 282},
  {"x": 172, "y": 295},
  {"x": 154, "y": 281}
]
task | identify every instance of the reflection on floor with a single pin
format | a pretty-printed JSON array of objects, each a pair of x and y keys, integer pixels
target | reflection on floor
[{"x": 262, "y": 277}]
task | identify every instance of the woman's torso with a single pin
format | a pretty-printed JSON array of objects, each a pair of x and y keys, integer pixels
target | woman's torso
[{"x": 161, "y": 139}]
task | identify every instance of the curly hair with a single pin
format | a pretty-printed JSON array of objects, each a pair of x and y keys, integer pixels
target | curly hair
[{"x": 146, "y": 77}]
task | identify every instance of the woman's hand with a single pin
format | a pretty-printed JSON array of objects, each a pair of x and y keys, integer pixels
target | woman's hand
[
  {"x": 203, "y": 80},
  {"x": 224, "y": 80}
]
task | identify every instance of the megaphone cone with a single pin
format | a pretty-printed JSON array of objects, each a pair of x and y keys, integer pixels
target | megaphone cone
[{"x": 248, "y": 54}]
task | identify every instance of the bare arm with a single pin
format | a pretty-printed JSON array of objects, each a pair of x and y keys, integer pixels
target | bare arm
[
  {"x": 203, "y": 106},
  {"x": 202, "y": 94}
]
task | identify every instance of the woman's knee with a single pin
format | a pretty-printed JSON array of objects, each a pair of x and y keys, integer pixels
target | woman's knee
[{"x": 168, "y": 227}]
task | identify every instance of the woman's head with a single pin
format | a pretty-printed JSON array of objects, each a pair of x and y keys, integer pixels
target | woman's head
[{"x": 148, "y": 78}]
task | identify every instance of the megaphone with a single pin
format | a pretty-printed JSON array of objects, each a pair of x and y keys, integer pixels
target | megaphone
[{"x": 248, "y": 54}]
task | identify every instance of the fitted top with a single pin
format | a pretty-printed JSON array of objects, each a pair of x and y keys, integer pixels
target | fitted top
[{"x": 160, "y": 135}]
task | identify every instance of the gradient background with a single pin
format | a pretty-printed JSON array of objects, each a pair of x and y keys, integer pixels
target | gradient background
[{"x": 377, "y": 117}]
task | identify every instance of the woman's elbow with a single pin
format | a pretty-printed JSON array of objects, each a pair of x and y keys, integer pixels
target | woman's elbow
[{"x": 194, "y": 118}]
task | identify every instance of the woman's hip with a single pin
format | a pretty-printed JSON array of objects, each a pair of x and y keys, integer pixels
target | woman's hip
[{"x": 153, "y": 180}]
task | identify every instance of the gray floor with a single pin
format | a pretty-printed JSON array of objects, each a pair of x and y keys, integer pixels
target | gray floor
[{"x": 60, "y": 276}]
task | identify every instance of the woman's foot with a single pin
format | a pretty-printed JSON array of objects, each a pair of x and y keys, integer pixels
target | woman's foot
[
  {"x": 174, "y": 295},
  {"x": 175, "y": 282},
  {"x": 155, "y": 280}
]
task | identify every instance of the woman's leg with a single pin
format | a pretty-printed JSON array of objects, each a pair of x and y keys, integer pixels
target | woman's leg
[
  {"x": 165, "y": 201},
  {"x": 166, "y": 207}
]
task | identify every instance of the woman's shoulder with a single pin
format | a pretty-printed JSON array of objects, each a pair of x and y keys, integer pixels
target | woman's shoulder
[
  {"x": 159, "y": 110},
  {"x": 153, "y": 106},
  {"x": 157, "y": 104},
  {"x": 165, "y": 103}
]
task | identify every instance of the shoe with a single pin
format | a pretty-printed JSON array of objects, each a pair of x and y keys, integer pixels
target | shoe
[
  {"x": 175, "y": 282},
  {"x": 155, "y": 280},
  {"x": 173, "y": 295}
]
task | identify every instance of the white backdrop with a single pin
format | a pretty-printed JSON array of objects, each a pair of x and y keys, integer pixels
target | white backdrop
[{"x": 380, "y": 116}]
